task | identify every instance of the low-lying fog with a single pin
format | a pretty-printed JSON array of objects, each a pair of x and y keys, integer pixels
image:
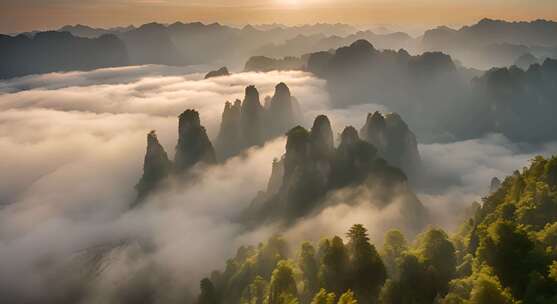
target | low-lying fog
[{"x": 73, "y": 146}]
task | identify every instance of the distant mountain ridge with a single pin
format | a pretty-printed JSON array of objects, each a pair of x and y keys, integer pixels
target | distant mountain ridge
[
  {"x": 494, "y": 43},
  {"x": 58, "y": 51},
  {"x": 488, "y": 31},
  {"x": 487, "y": 44}
]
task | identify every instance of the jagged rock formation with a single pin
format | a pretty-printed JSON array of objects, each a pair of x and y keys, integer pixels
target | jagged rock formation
[
  {"x": 247, "y": 123},
  {"x": 277, "y": 174},
  {"x": 229, "y": 141},
  {"x": 252, "y": 118},
  {"x": 393, "y": 140},
  {"x": 494, "y": 185},
  {"x": 313, "y": 169},
  {"x": 218, "y": 73},
  {"x": 321, "y": 138},
  {"x": 156, "y": 167},
  {"x": 281, "y": 111},
  {"x": 193, "y": 148},
  {"x": 194, "y": 145}
]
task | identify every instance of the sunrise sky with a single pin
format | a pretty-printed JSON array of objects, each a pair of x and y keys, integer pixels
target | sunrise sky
[{"x": 25, "y": 15}]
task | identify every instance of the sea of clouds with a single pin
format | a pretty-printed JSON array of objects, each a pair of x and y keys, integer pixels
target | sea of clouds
[{"x": 72, "y": 150}]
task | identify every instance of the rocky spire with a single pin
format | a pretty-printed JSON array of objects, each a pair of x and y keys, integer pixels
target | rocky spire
[
  {"x": 321, "y": 137},
  {"x": 297, "y": 150},
  {"x": 374, "y": 130},
  {"x": 495, "y": 185},
  {"x": 229, "y": 140},
  {"x": 156, "y": 167},
  {"x": 393, "y": 139},
  {"x": 277, "y": 174},
  {"x": 348, "y": 137},
  {"x": 402, "y": 146},
  {"x": 252, "y": 118},
  {"x": 194, "y": 145},
  {"x": 281, "y": 112}
]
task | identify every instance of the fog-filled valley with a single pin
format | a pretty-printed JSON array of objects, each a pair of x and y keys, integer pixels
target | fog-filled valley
[{"x": 327, "y": 163}]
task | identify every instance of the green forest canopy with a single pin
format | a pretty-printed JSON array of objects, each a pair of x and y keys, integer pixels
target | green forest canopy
[{"x": 505, "y": 253}]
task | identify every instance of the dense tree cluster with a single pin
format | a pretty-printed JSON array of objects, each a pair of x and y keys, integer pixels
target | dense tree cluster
[
  {"x": 334, "y": 272},
  {"x": 505, "y": 254},
  {"x": 337, "y": 271}
]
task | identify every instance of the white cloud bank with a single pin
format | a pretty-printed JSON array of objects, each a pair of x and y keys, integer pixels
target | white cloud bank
[{"x": 72, "y": 149}]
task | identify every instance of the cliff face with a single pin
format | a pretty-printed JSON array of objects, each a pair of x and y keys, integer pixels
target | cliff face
[
  {"x": 229, "y": 141},
  {"x": 156, "y": 167},
  {"x": 312, "y": 169},
  {"x": 247, "y": 123},
  {"x": 281, "y": 111},
  {"x": 194, "y": 145},
  {"x": 252, "y": 118},
  {"x": 394, "y": 141}
]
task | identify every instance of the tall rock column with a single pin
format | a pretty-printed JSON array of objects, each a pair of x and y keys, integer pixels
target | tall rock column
[
  {"x": 230, "y": 140},
  {"x": 394, "y": 141},
  {"x": 281, "y": 116},
  {"x": 194, "y": 145},
  {"x": 252, "y": 118},
  {"x": 156, "y": 167}
]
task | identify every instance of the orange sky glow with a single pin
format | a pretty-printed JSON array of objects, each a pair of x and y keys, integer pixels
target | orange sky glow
[{"x": 26, "y": 15}]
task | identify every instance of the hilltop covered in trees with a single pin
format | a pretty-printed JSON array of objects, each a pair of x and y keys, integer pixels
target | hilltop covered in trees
[{"x": 504, "y": 254}]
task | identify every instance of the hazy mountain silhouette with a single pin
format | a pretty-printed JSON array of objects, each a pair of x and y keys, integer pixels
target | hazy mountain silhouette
[
  {"x": 266, "y": 64},
  {"x": 217, "y": 73},
  {"x": 58, "y": 51},
  {"x": 320, "y": 42},
  {"x": 492, "y": 43},
  {"x": 434, "y": 94},
  {"x": 85, "y": 31}
]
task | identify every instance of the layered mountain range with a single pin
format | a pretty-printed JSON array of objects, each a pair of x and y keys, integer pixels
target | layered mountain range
[
  {"x": 494, "y": 43},
  {"x": 435, "y": 95},
  {"x": 59, "y": 51},
  {"x": 489, "y": 43}
]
